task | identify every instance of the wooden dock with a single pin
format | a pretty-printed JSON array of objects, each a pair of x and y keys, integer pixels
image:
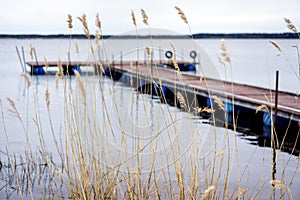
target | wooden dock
[{"x": 288, "y": 103}]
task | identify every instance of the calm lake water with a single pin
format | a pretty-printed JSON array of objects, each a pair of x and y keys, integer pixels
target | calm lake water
[{"x": 254, "y": 62}]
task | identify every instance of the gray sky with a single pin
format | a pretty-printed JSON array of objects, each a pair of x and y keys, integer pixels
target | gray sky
[{"x": 210, "y": 16}]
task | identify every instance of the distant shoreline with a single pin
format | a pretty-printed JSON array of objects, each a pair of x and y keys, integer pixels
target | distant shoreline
[{"x": 287, "y": 35}]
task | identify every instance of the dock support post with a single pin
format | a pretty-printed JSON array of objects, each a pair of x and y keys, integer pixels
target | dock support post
[
  {"x": 273, "y": 140},
  {"x": 276, "y": 99}
]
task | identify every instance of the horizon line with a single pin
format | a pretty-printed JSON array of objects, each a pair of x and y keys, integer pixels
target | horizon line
[{"x": 284, "y": 35}]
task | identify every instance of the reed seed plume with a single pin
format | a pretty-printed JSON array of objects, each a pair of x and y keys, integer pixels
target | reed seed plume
[
  {"x": 145, "y": 17},
  {"x": 70, "y": 21},
  {"x": 275, "y": 45},
  {"x": 31, "y": 51},
  {"x": 47, "y": 98},
  {"x": 174, "y": 58},
  {"x": 97, "y": 38},
  {"x": 181, "y": 14},
  {"x": 201, "y": 110},
  {"x": 219, "y": 102},
  {"x": 82, "y": 19},
  {"x": 148, "y": 51},
  {"x": 98, "y": 21},
  {"x": 26, "y": 77},
  {"x": 14, "y": 111},
  {"x": 181, "y": 99},
  {"x": 60, "y": 68},
  {"x": 46, "y": 64},
  {"x": 76, "y": 46},
  {"x": 290, "y": 25},
  {"x": 81, "y": 84},
  {"x": 56, "y": 80},
  {"x": 225, "y": 57},
  {"x": 133, "y": 18}
]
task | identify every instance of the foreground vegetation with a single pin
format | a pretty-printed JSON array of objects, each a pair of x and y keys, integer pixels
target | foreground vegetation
[{"x": 96, "y": 157}]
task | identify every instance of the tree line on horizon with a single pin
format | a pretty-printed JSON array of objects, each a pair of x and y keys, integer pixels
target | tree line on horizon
[{"x": 286, "y": 35}]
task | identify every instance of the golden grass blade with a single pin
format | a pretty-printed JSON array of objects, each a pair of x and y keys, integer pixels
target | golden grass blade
[{"x": 275, "y": 45}]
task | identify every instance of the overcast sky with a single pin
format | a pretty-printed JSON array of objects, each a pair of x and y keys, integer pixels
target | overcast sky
[{"x": 209, "y": 16}]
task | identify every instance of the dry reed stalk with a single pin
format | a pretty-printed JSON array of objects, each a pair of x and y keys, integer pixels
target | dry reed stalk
[
  {"x": 60, "y": 69},
  {"x": 181, "y": 14},
  {"x": 198, "y": 110},
  {"x": 275, "y": 45},
  {"x": 180, "y": 181},
  {"x": 31, "y": 52},
  {"x": 207, "y": 192},
  {"x": 98, "y": 21},
  {"x": 14, "y": 111},
  {"x": 219, "y": 102},
  {"x": 174, "y": 60},
  {"x": 70, "y": 21},
  {"x": 290, "y": 25},
  {"x": 82, "y": 19},
  {"x": 181, "y": 99},
  {"x": 97, "y": 38},
  {"x": 145, "y": 16},
  {"x": 194, "y": 181},
  {"x": 46, "y": 64},
  {"x": 133, "y": 18},
  {"x": 47, "y": 98},
  {"x": 56, "y": 80},
  {"x": 81, "y": 84},
  {"x": 26, "y": 77},
  {"x": 76, "y": 46}
]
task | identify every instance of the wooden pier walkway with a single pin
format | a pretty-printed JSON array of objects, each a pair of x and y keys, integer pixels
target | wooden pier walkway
[{"x": 288, "y": 103}]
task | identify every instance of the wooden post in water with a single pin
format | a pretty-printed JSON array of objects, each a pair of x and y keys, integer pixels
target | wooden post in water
[
  {"x": 276, "y": 99},
  {"x": 273, "y": 140}
]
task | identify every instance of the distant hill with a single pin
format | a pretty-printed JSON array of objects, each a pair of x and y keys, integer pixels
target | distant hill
[{"x": 287, "y": 35}]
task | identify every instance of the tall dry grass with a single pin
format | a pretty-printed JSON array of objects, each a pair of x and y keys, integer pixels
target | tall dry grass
[{"x": 87, "y": 166}]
